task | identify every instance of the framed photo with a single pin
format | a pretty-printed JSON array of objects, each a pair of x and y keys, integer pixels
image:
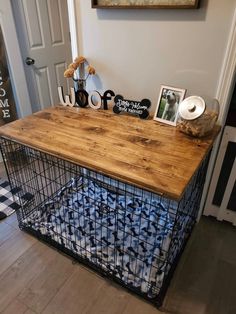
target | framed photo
[
  {"x": 168, "y": 104},
  {"x": 145, "y": 4}
]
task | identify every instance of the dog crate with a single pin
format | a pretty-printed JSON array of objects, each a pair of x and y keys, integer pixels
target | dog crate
[{"x": 124, "y": 232}]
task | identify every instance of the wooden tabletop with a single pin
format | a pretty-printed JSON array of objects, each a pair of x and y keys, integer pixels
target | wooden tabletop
[{"x": 151, "y": 155}]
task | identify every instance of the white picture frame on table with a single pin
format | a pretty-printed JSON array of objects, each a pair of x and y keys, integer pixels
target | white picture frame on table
[{"x": 168, "y": 104}]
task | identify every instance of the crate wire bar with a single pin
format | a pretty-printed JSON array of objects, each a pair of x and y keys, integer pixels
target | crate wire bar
[{"x": 123, "y": 232}]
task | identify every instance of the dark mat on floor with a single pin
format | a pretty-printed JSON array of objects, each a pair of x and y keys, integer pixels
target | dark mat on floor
[{"x": 9, "y": 202}]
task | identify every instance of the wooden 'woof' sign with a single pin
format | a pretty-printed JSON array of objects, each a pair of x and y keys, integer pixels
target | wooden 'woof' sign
[{"x": 139, "y": 108}]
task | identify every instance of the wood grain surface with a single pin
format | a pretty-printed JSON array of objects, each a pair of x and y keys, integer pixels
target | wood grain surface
[{"x": 148, "y": 154}]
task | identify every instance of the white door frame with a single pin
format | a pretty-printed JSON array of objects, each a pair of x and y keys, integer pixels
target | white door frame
[
  {"x": 224, "y": 94},
  {"x": 221, "y": 212},
  {"x": 224, "y": 213},
  {"x": 73, "y": 28},
  {"x": 17, "y": 73}
]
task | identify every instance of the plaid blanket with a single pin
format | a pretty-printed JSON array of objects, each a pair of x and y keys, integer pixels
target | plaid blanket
[{"x": 9, "y": 202}]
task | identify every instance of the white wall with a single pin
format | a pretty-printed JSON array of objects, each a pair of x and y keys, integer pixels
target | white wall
[{"x": 135, "y": 51}]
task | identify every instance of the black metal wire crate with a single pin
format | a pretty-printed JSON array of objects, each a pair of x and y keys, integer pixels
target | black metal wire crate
[{"x": 124, "y": 232}]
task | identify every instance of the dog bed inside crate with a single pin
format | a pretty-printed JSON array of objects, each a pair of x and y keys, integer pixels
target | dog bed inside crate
[{"x": 126, "y": 235}]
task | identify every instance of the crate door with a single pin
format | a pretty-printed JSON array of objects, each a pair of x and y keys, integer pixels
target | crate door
[{"x": 221, "y": 200}]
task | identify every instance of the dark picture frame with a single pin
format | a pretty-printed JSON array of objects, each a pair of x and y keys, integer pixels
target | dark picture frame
[
  {"x": 168, "y": 104},
  {"x": 193, "y": 4}
]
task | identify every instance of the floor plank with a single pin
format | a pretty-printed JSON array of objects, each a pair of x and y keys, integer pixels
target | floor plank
[
  {"x": 224, "y": 287},
  {"x": 6, "y": 232},
  {"x": 111, "y": 299},
  {"x": 13, "y": 248},
  {"x": 29, "y": 311},
  {"x": 15, "y": 307},
  {"x": 228, "y": 251},
  {"x": 77, "y": 295},
  {"x": 37, "y": 279},
  {"x": 136, "y": 305},
  {"x": 12, "y": 221},
  {"x": 2, "y": 170},
  {"x": 21, "y": 273},
  {"x": 47, "y": 282},
  {"x": 195, "y": 275}
]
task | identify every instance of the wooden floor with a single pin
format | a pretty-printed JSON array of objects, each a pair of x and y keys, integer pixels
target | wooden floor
[{"x": 35, "y": 278}]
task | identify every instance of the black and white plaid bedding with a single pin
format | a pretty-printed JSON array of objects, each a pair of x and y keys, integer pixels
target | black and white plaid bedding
[{"x": 9, "y": 202}]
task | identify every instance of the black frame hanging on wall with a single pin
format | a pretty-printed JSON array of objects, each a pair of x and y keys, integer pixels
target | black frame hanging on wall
[{"x": 96, "y": 4}]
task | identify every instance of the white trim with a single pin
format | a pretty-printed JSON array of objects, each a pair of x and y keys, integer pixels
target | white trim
[
  {"x": 223, "y": 94},
  {"x": 73, "y": 28},
  {"x": 206, "y": 192},
  {"x": 224, "y": 213},
  {"x": 15, "y": 60},
  {"x": 227, "y": 77},
  {"x": 229, "y": 135}
]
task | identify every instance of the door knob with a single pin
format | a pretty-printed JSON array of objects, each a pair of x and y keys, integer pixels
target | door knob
[{"x": 29, "y": 61}]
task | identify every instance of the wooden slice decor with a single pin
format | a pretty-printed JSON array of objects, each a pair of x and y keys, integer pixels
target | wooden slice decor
[{"x": 133, "y": 107}]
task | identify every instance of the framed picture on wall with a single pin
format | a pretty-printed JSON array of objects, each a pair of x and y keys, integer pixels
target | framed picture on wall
[
  {"x": 168, "y": 104},
  {"x": 145, "y": 4}
]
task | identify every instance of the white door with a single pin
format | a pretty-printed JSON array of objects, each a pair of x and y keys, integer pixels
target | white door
[
  {"x": 221, "y": 200},
  {"x": 44, "y": 37}
]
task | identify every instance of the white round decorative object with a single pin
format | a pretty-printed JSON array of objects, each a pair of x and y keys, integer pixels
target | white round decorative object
[
  {"x": 192, "y": 107},
  {"x": 95, "y": 100}
]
